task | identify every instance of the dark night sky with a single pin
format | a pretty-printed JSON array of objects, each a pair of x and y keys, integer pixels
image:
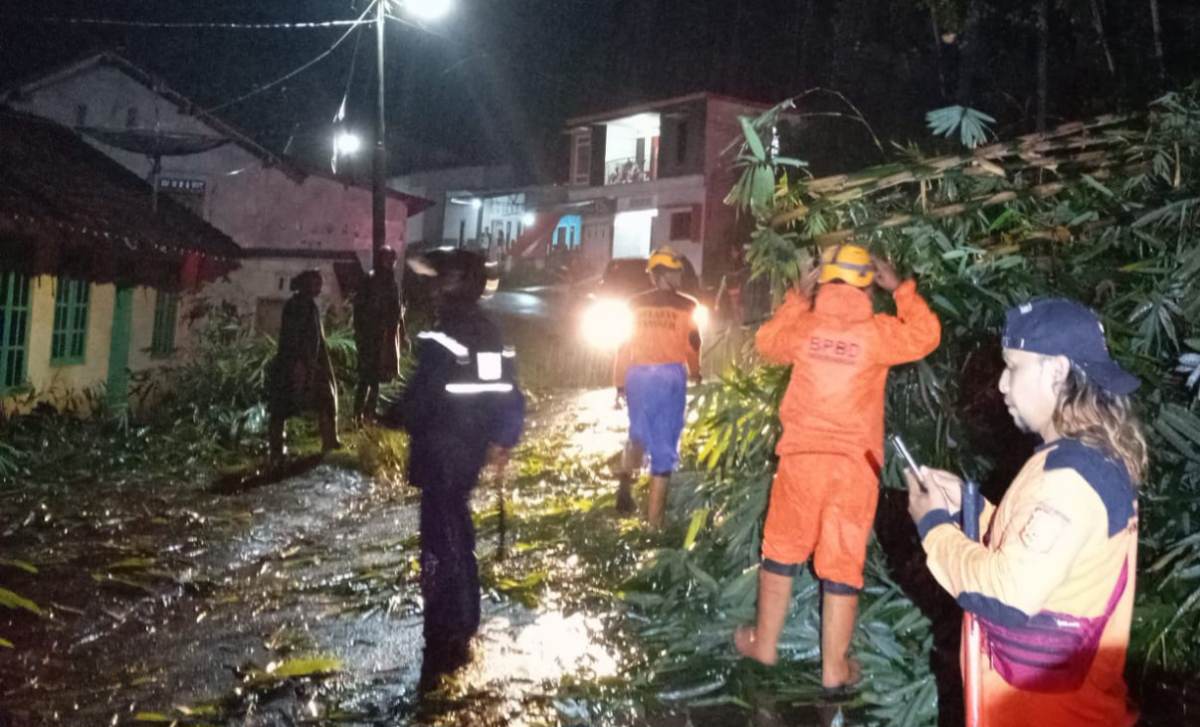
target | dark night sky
[{"x": 496, "y": 79}]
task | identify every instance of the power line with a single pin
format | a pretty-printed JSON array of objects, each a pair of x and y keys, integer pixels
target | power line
[
  {"x": 295, "y": 25},
  {"x": 322, "y": 56}
]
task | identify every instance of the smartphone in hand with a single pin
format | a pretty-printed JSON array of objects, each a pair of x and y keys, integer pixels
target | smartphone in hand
[{"x": 898, "y": 445}]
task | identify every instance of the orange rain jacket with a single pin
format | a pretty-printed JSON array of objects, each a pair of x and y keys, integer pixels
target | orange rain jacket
[
  {"x": 664, "y": 332},
  {"x": 841, "y": 352}
]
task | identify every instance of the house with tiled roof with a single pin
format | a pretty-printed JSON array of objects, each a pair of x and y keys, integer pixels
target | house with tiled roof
[
  {"x": 92, "y": 266},
  {"x": 285, "y": 217}
]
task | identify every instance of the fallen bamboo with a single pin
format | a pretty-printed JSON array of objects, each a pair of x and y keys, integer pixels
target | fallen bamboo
[
  {"x": 1038, "y": 142},
  {"x": 1040, "y": 191},
  {"x": 937, "y": 168}
]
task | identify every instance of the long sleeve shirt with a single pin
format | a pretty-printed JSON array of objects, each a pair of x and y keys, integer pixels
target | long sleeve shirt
[
  {"x": 462, "y": 397},
  {"x": 1060, "y": 549},
  {"x": 840, "y": 352}
]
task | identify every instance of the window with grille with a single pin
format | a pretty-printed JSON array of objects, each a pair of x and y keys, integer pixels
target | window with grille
[
  {"x": 68, "y": 338},
  {"x": 581, "y": 165},
  {"x": 166, "y": 312},
  {"x": 14, "y": 329}
]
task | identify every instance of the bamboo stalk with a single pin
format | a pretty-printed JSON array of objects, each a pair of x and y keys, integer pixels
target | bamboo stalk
[
  {"x": 1032, "y": 155},
  {"x": 1037, "y": 142},
  {"x": 1040, "y": 191},
  {"x": 1098, "y": 24}
]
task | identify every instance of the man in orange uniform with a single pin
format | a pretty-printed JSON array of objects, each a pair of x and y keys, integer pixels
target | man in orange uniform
[
  {"x": 1052, "y": 583},
  {"x": 826, "y": 488},
  {"x": 651, "y": 370}
]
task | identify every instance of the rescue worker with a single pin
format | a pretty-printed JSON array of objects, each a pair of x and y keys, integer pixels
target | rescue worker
[
  {"x": 1052, "y": 583},
  {"x": 826, "y": 487},
  {"x": 378, "y": 333},
  {"x": 300, "y": 377},
  {"x": 461, "y": 408},
  {"x": 651, "y": 373}
]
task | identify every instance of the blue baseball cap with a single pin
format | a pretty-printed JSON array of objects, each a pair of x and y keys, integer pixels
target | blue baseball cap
[{"x": 1061, "y": 327}]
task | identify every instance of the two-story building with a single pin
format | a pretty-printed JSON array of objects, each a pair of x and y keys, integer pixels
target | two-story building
[
  {"x": 285, "y": 218},
  {"x": 648, "y": 175}
]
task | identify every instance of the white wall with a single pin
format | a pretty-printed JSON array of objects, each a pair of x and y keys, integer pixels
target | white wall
[
  {"x": 632, "y": 233},
  {"x": 256, "y": 205},
  {"x": 440, "y": 223}
]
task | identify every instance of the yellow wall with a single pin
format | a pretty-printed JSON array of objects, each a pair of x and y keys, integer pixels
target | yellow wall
[
  {"x": 140, "y": 358},
  {"x": 64, "y": 386}
]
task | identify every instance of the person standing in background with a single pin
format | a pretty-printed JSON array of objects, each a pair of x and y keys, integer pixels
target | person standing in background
[
  {"x": 300, "y": 377},
  {"x": 378, "y": 334}
]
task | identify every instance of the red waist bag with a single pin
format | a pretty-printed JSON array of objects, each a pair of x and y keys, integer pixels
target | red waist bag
[{"x": 1053, "y": 651}]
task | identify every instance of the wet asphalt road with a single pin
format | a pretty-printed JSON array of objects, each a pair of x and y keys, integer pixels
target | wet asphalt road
[
  {"x": 166, "y": 595},
  {"x": 528, "y": 303}
]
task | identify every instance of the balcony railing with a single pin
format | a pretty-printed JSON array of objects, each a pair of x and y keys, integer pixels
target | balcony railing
[{"x": 627, "y": 171}]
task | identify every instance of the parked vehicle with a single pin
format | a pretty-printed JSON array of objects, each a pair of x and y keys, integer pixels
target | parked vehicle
[{"x": 607, "y": 320}]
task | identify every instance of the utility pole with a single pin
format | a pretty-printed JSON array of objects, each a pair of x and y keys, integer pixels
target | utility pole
[{"x": 379, "y": 161}]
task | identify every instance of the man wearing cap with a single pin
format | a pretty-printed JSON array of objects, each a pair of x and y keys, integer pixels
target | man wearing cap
[
  {"x": 652, "y": 370},
  {"x": 827, "y": 485},
  {"x": 1052, "y": 583}
]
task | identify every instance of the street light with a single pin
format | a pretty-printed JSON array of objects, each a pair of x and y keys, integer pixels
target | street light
[
  {"x": 429, "y": 9},
  {"x": 346, "y": 143},
  {"x": 425, "y": 10}
]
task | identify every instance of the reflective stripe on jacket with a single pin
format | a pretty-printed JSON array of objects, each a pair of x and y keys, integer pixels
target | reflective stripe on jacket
[{"x": 462, "y": 396}]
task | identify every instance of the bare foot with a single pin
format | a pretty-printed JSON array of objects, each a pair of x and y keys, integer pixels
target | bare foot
[
  {"x": 746, "y": 643},
  {"x": 843, "y": 679}
]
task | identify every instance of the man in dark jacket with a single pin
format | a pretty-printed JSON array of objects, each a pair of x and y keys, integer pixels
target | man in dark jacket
[
  {"x": 461, "y": 407},
  {"x": 378, "y": 333}
]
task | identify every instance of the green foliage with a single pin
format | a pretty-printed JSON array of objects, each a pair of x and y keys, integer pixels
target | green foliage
[
  {"x": 971, "y": 125},
  {"x": 382, "y": 453},
  {"x": 1118, "y": 230},
  {"x": 11, "y": 599},
  {"x": 204, "y": 412},
  {"x": 10, "y": 460}
]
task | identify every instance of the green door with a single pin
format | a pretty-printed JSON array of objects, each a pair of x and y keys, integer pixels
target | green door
[{"x": 118, "y": 351}]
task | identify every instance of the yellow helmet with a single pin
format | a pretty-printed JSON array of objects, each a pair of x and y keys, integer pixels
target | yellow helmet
[
  {"x": 849, "y": 263},
  {"x": 664, "y": 257}
]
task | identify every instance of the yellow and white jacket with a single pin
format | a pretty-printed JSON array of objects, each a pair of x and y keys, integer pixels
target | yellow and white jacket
[{"x": 1052, "y": 586}]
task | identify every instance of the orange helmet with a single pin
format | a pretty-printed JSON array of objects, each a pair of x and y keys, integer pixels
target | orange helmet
[{"x": 849, "y": 263}]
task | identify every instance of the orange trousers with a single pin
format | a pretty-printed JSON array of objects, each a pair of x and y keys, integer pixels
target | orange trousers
[{"x": 822, "y": 505}]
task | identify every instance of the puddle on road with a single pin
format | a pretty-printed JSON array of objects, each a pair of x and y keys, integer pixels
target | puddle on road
[
  {"x": 541, "y": 647},
  {"x": 589, "y": 420}
]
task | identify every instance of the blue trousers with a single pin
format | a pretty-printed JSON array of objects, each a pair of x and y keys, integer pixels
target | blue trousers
[{"x": 657, "y": 397}]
